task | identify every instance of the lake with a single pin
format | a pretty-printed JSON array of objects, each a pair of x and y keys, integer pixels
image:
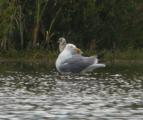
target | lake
[{"x": 38, "y": 92}]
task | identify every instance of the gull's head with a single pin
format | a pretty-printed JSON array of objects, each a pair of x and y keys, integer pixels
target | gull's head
[
  {"x": 72, "y": 49},
  {"x": 62, "y": 40},
  {"x": 62, "y": 43}
]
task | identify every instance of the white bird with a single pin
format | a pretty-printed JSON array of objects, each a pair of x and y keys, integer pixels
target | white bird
[
  {"x": 69, "y": 61},
  {"x": 62, "y": 43}
]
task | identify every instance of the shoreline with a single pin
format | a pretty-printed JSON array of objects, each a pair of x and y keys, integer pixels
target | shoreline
[
  {"x": 49, "y": 57},
  {"x": 45, "y": 61}
]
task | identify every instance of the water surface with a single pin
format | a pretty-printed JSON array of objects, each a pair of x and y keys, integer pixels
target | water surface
[{"x": 38, "y": 92}]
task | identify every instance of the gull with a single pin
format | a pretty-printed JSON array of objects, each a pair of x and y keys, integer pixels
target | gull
[
  {"x": 69, "y": 61},
  {"x": 62, "y": 43}
]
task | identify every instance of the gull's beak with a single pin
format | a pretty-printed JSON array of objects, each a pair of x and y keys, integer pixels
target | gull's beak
[{"x": 78, "y": 51}]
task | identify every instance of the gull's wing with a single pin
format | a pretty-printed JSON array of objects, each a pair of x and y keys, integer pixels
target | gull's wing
[{"x": 77, "y": 63}]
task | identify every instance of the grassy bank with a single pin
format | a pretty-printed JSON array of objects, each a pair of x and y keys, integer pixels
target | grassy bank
[
  {"x": 31, "y": 56},
  {"x": 42, "y": 56},
  {"x": 128, "y": 56}
]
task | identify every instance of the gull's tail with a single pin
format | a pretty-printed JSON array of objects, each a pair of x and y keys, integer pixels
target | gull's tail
[
  {"x": 96, "y": 64},
  {"x": 99, "y": 65}
]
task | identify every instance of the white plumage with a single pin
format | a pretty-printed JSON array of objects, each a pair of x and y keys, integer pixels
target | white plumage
[{"x": 69, "y": 61}]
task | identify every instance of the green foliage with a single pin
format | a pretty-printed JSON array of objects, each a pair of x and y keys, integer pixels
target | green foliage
[
  {"x": 111, "y": 24},
  {"x": 130, "y": 55}
]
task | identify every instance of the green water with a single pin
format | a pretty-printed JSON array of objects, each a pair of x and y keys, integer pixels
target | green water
[{"x": 38, "y": 92}]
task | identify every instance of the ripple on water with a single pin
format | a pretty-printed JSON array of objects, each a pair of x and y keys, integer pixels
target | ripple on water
[{"x": 105, "y": 95}]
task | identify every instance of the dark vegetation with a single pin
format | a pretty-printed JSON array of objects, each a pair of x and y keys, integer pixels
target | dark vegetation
[{"x": 94, "y": 25}]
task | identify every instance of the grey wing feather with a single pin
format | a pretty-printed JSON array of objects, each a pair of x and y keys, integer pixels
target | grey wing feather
[{"x": 76, "y": 64}]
